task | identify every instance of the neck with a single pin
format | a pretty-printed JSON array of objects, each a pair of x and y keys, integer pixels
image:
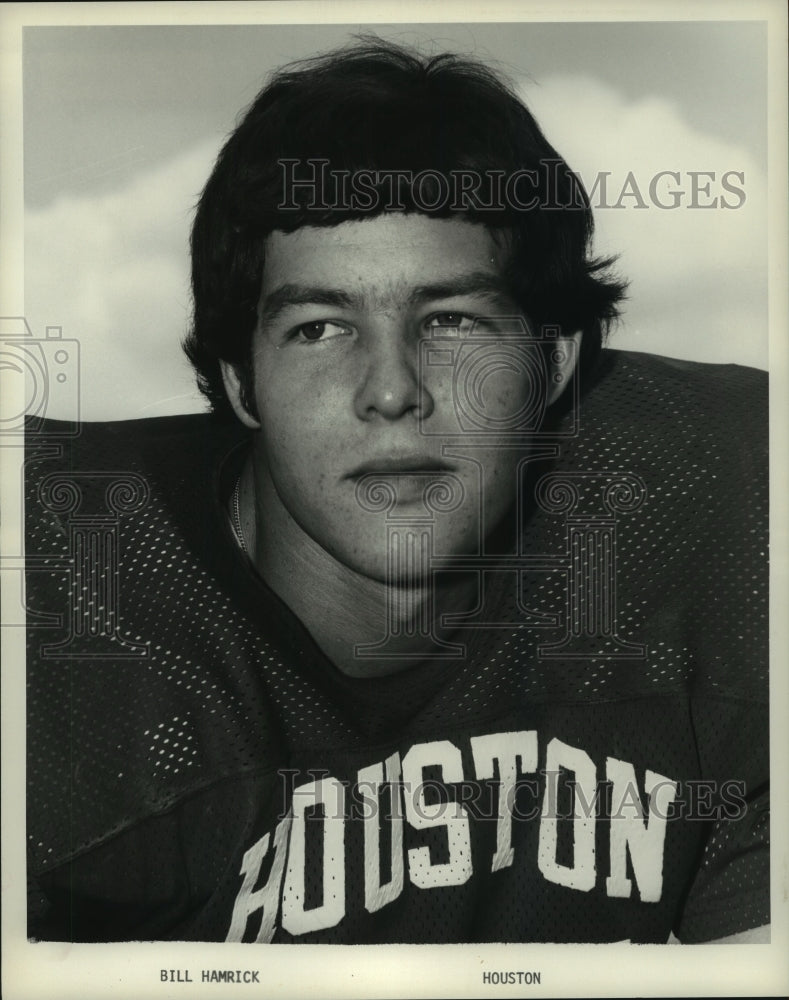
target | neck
[{"x": 341, "y": 608}]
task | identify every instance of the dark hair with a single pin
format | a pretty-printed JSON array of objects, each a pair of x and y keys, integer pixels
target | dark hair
[{"x": 378, "y": 107}]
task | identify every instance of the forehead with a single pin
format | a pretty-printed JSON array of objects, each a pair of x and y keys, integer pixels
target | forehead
[{"x": 388, "y": 254}]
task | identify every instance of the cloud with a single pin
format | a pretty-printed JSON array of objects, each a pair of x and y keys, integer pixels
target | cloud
[
  {"x": 112, "y": 269},
  {"x": 698, "y": 275}
]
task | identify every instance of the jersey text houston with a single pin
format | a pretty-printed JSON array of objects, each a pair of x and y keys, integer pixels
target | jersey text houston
[{"x": 412, "y": 785}]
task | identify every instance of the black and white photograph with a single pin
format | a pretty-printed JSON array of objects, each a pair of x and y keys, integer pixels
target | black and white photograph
[{"x": 394, "y": 508}]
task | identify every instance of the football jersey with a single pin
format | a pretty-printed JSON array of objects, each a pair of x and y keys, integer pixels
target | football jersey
[{"x": 587, "y": 763}]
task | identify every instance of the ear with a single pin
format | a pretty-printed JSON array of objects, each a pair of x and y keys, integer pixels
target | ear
[
  {"x": 235, "y": 395},
  {"x": 562, "y": 362}
]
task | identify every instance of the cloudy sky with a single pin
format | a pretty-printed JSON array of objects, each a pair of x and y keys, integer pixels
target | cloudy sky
[{"x": 122, "y": 124}]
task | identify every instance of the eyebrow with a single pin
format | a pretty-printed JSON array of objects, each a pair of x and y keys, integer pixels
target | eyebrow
[{"x": 288, "y": 295}]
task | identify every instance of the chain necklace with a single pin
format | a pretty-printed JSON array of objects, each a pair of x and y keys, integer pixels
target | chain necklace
[{"x": 236, "y": 520}]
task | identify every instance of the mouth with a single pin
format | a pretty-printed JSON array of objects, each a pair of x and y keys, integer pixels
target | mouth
[{"x": 400, "y": 466}]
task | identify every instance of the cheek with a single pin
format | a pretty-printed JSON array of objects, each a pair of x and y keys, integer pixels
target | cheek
[
  {"x": 490, "y": 395},
  {"x": 306, "y": 397},
  {"x": 500, "y": 473},
  {"x": 300, "y": 434},
  {"x": 510, "y": 399}
]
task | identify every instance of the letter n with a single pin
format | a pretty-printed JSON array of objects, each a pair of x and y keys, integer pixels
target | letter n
[{"x": 644, "y": 840}]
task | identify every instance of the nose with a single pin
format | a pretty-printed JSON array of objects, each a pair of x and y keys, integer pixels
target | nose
[{"x": 390, "y": 387}]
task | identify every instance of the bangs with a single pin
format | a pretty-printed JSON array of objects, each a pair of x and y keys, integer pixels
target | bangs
[
  {"x": 377, "y": 128},
  {"x": 443, "y": 138}
]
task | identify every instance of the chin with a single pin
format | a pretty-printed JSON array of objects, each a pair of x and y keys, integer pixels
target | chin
[
  {"x": 412, "y": 547},
  {"x": 399, "y": 571}
]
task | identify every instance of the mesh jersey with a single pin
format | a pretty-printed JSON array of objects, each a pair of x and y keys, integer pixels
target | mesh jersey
[{"x": 198, "y": 770}]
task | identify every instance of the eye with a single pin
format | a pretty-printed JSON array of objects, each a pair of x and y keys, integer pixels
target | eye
[
  {"x": 319, "y": 330},
  {"x": 450, "y": 323}
]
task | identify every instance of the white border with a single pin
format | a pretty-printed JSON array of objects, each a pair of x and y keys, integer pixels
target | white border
[{"x": 133, "y": 970}]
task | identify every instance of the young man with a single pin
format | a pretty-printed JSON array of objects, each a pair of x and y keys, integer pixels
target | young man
[{"x": 446, "y": 625}]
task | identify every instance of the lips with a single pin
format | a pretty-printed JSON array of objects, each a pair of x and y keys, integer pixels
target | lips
[{"x": 400, "y": 465}]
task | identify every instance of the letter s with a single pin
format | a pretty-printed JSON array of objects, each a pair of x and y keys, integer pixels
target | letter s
[
  {"x": 422, "y": 815},
  {"x": 738, "y": 191}
]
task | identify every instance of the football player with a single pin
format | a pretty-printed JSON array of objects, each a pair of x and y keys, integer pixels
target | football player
[{"x": 446, "y": 624}]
